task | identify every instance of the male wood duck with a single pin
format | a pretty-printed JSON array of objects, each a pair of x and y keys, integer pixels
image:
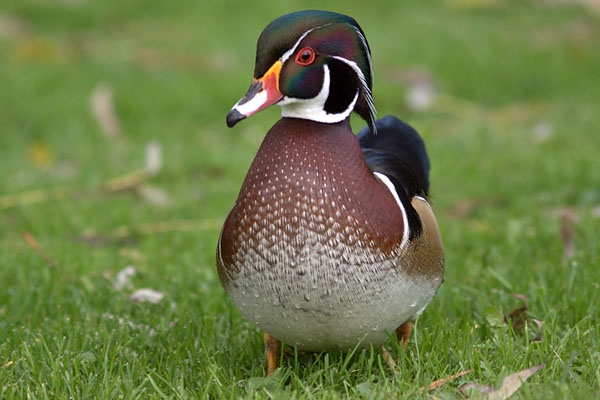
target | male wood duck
[{"x": 331, "y": 243}]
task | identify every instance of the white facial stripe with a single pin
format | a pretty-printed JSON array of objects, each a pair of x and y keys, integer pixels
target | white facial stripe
[
  {"x": 386, "y": 181},
  {"x": 313, "y": 109},
  {"x": 250, "y": 107},
  {"x": 291, "y": 51}
]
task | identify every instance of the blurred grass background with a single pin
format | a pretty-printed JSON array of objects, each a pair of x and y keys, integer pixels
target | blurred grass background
[{"x": 505, "y": 93}]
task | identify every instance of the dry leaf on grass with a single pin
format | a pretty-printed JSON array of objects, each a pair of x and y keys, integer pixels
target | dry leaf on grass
[
  {"x": 153, "y": 157},
  {"x": 103, "y": 110},
  {"x": 389, "y": 360},
  {"x": 517, "y": 316},
  {"x": 123, "y": 278},
  {"x": 146, "y": 295},
  {"x": 153, "y": 195},
  {"x": 540, "y": 331},
  {"x": 441, "y": 382},
  {"x": 510, "y": 384}
]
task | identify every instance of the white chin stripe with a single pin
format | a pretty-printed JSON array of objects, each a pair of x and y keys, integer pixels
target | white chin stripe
[
  {"x": 314, "y": 109},
  {"x": 386, "y": 181}
]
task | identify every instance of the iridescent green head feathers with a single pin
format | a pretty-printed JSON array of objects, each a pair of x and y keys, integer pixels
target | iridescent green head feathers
[{"x": 316, "y": 65}]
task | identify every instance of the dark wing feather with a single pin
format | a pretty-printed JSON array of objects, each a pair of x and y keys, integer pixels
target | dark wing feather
[{"x": 398, "y": 152}]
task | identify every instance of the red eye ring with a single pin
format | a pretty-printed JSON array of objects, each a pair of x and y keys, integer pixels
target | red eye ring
[{"x": 305, "y": 56}]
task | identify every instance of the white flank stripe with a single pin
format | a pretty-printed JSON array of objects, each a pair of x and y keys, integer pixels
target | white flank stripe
[{"x": 386, "y": 181}]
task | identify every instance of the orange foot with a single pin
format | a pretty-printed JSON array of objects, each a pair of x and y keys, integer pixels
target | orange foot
[
  {"x": 403, "y": 332},
  {"x": 273, "y": 351}
]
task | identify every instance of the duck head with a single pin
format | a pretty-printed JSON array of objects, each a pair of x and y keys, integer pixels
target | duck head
[{"x": 316, "y": 65}]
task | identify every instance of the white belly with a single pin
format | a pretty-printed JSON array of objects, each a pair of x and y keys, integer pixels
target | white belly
[{"x": 332, "y": 311}]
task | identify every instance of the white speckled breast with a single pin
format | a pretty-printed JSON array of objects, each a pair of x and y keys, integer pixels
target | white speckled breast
[{"x": 311, "y": 251}]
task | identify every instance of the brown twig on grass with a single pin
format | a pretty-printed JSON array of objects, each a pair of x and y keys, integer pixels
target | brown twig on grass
[
  {"x": 35, "y": 245},
  {"x": 126, "y": 182},
  {"x": 441, "y": 382}
]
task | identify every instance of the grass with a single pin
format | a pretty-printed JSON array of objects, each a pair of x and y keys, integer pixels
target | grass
[{"x": 513, "y": 139}]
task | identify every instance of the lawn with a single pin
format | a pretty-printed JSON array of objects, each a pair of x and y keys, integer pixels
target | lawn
[{"x": 118, "y": 170}]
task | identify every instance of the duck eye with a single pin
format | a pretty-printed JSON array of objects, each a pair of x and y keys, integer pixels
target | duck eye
[{"x": 305, "y": 56}]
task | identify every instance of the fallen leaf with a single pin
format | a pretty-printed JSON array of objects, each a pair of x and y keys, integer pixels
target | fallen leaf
[
  {"x": 389, "y": 360},
  {"x": 540, "y": 331},
  {"x": 517, "y": 316},
  {"x": 513, "y": 382},
  {"x": 153, "y": 194},
  {"x": 103, "y": 110},
  {"x": 146, "y": 295},
  {"x": 441, "y": 382},
  {"x": 483, "y": 389},
  {"x": 153, "y": 157},
  {"x": 510, "y": 384},
  {"x": 123, "y": 278}
]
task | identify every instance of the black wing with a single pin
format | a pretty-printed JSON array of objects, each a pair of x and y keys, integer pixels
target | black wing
[{"x": 398, "y": 152}]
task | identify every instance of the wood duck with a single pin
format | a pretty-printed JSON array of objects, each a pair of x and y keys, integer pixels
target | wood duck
[{"x": 331, "y": 243}]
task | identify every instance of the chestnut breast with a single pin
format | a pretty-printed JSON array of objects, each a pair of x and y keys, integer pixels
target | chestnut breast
[{"x": 308, "y": 189}]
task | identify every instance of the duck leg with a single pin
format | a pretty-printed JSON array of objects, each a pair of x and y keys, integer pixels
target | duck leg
[
  {"x": 273, "y": 352},
  {"x": 403, "y": 332}
]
